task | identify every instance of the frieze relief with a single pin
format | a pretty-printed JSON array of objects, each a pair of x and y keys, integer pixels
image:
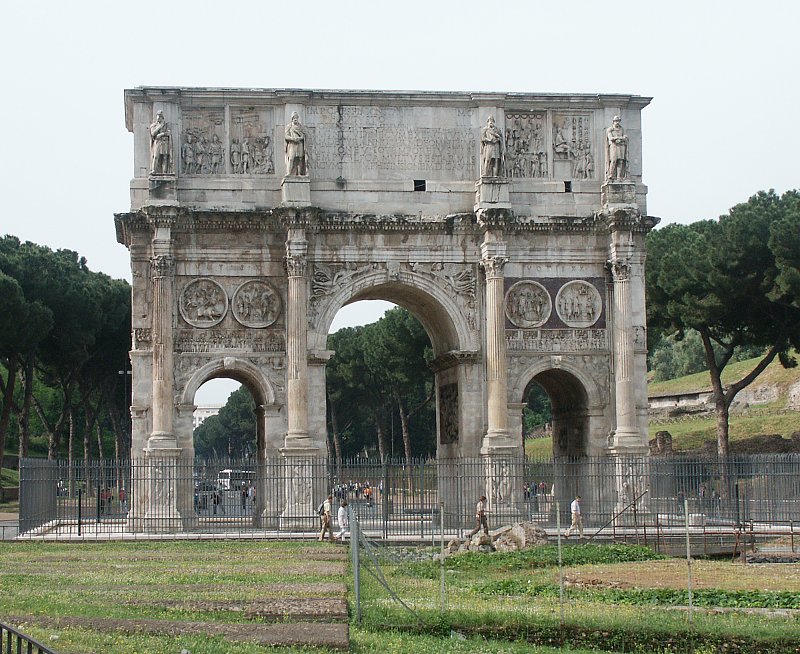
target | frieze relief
[
  {"x": 256, "y": 304},
  {"x": 252, "y": 149},
  {"x": 526, "y": 150},
  {"x": 556, "y": 340},
  {"x": 189, "y": 340},
  {"x": 202, "y": 149},
  {"x": 203, "y": 303},
  {"x": 578, "y": 304},
  {"x": 572, "y": 146},
  {"x": 528, "y": 304}
]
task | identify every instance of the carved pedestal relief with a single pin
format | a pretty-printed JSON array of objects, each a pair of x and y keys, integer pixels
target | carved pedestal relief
[
  {"x": 528, "y": 304},
  {"x": 526, "y": 150},
  {"x": 572, "y": 147},
  {"x": 203, "y": 303}
]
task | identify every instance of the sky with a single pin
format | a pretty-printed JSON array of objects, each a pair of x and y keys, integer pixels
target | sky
[{"x": 723, "y": 77}]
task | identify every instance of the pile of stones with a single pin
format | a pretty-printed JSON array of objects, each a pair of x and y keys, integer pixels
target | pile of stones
[{"x": 510, "y": 538}]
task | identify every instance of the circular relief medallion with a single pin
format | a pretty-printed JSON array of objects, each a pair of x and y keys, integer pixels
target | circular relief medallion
[
  {"x": 528, "y": 304},
  {"x": 578, "y": 304},
  {"x": 256, "y": 304},
  {"x": 203, "y": 303}
]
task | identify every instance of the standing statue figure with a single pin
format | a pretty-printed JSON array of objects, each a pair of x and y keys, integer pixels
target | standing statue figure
[
  {"x": 616, "y": 152},
  {"x": 160, "y": 146},
  {"x": 216, "y": 152},
  {"x": 296, "y": 154},
  {"x": 492, "y": 150}
]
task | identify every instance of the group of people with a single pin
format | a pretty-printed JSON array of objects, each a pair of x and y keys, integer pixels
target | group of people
[
  {"x": 481, "y": 521},
  {"x": 357, "y": 490},
  {"x": 326, "y": 519}
]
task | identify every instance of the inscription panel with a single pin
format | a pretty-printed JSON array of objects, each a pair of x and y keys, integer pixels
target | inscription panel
[{"x": 369, "y": 142}]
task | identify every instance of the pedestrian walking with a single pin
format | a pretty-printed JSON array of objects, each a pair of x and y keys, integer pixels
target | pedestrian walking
[
  {"x": 342, "y": 519},
  {"x": 577, "y": 518},
  {"x": 325, "y": 519},
  {"x": 480, "y": 518}
]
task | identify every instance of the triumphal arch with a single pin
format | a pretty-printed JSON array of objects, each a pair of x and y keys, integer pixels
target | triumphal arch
[{"x": 511, "y": 225}]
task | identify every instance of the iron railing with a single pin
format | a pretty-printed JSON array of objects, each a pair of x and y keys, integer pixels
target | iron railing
[
  {"x": 15, "y": 642},
  {"x": 146, "y": 496}
]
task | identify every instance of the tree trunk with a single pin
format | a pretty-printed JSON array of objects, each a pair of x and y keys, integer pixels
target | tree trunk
[
  {"x": 70, "y": 443},
  {"x": 25, "y": 417},
  {"x": 404, "y": 428},
  {"x": 381, "y": 438},
  {"x": 8, "y": 399},
  {"x": 723, "y": 446},
  {"x": 337, "y": 440}
]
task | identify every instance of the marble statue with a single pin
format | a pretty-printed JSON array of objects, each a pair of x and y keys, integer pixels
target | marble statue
[
  {"x": 616, "y": 152},
  {"x": 296, "y": 154},
  {"x": 492, "y": 154},
  {"x": 160, "y": 146}
]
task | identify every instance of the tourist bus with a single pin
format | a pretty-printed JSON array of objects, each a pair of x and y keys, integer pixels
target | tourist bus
[{"x": 228, "y": 479}]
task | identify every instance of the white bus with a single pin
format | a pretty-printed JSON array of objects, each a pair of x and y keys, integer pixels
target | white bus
[{"x": 232, "y": 479}]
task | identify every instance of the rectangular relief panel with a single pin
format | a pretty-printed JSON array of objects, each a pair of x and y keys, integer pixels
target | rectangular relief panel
[
  {"x": 573, "y": 150},
  {"x": 526, "y": 144}
]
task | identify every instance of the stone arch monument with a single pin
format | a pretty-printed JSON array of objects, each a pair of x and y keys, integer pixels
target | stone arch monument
[{"x": 511, "y": 224}]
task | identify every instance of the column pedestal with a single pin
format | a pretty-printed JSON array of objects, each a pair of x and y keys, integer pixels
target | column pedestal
[
  {"x": 161, "y": 474},
  {"x": 296, "y": 191},
  {"x": 492, "y": 193},
  {"x": 615, "y": 195},
  {"x": 299, "y": 513}
]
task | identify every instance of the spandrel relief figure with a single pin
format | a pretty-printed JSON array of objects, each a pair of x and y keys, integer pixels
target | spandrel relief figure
[
  {"x": 296, "y": 147},
  {"x": 160, "y": 146},
  {"x": 492, "y": 150},
  {"x": 616, "y": 152}
]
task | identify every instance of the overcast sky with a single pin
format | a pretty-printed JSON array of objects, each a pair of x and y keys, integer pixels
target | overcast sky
[{"x": 723, "y": 75}]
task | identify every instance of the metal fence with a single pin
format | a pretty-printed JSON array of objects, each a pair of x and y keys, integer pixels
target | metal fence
[
  {"x": 15, "y": 642},
  {"x": 398, "y": 499}
]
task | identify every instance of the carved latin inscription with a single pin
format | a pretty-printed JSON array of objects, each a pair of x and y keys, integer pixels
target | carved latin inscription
[
  {"x": 256, "y": 304},
  {"x": 578, "y": 304},
  {"x": 203, "y": 303},
  {"x": 528, "y": 304}
]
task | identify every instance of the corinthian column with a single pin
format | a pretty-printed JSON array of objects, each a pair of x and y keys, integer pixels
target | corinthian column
[
  {"x": 297, "y": 339},
  {"x": 496, "y": 365},
  {"x": 162, "y": 273},
  {"x": 627, "y": 432}
]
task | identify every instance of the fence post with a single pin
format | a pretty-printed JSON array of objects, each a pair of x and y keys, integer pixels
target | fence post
[
  {"x": 354, "y": 544},
  {"x": 560, "y": 563},
  {"x": 688, "y": 558},
  {"x": 80, "y": 492},
  {"x": 441, "y": 554},
  {"x": 98, "y": 503}
]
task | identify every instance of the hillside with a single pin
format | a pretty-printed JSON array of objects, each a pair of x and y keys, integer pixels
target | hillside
[{"x": 764, "y": 418}]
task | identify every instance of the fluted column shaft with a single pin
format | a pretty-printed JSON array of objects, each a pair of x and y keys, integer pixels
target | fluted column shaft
[
  {"x": 163, "y": 280},
  {"x": 623, "y": 351},
  {"x": 297, "y": 337},
  {"x": 496, "y": 371}
]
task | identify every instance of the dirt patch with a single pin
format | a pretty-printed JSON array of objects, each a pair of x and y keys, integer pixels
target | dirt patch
[
  {"x": 328, "y": 609},
  {"x": 311, "y": 589},
  {"x": 298, "y": 634},
  {"x": 673, "y": 574}
]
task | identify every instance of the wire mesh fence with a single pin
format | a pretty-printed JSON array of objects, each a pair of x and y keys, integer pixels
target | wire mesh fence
[{"x": 396, "y": 499}]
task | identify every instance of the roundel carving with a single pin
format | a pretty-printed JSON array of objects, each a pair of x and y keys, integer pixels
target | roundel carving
[
  {"x": 528, "y": 304},
  {"x": 203, "y": 303},
  {"x": 256, "y": 304},
  {"x": 578, "y": 304}
]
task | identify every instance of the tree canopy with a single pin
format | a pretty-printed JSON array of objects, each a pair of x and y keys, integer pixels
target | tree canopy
[{"x": 734, "y": 281}]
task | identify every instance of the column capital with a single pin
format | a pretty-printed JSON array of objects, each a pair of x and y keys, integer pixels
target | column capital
[
  {"x": 162, "y": 265},
  {"x": 620, "y": 269},
  {"x": 493, "y": 265},
  {"x": 296, "y": 265}
]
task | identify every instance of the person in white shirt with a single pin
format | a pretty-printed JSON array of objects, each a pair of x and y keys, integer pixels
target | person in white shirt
[
  {"x": 341, "y": 518},
  {"x": 577, "y": 520},
  {"x": 325, "y": 519}
]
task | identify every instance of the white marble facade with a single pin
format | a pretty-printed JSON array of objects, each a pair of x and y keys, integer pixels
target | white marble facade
[{"x": 274, "y": 208}]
